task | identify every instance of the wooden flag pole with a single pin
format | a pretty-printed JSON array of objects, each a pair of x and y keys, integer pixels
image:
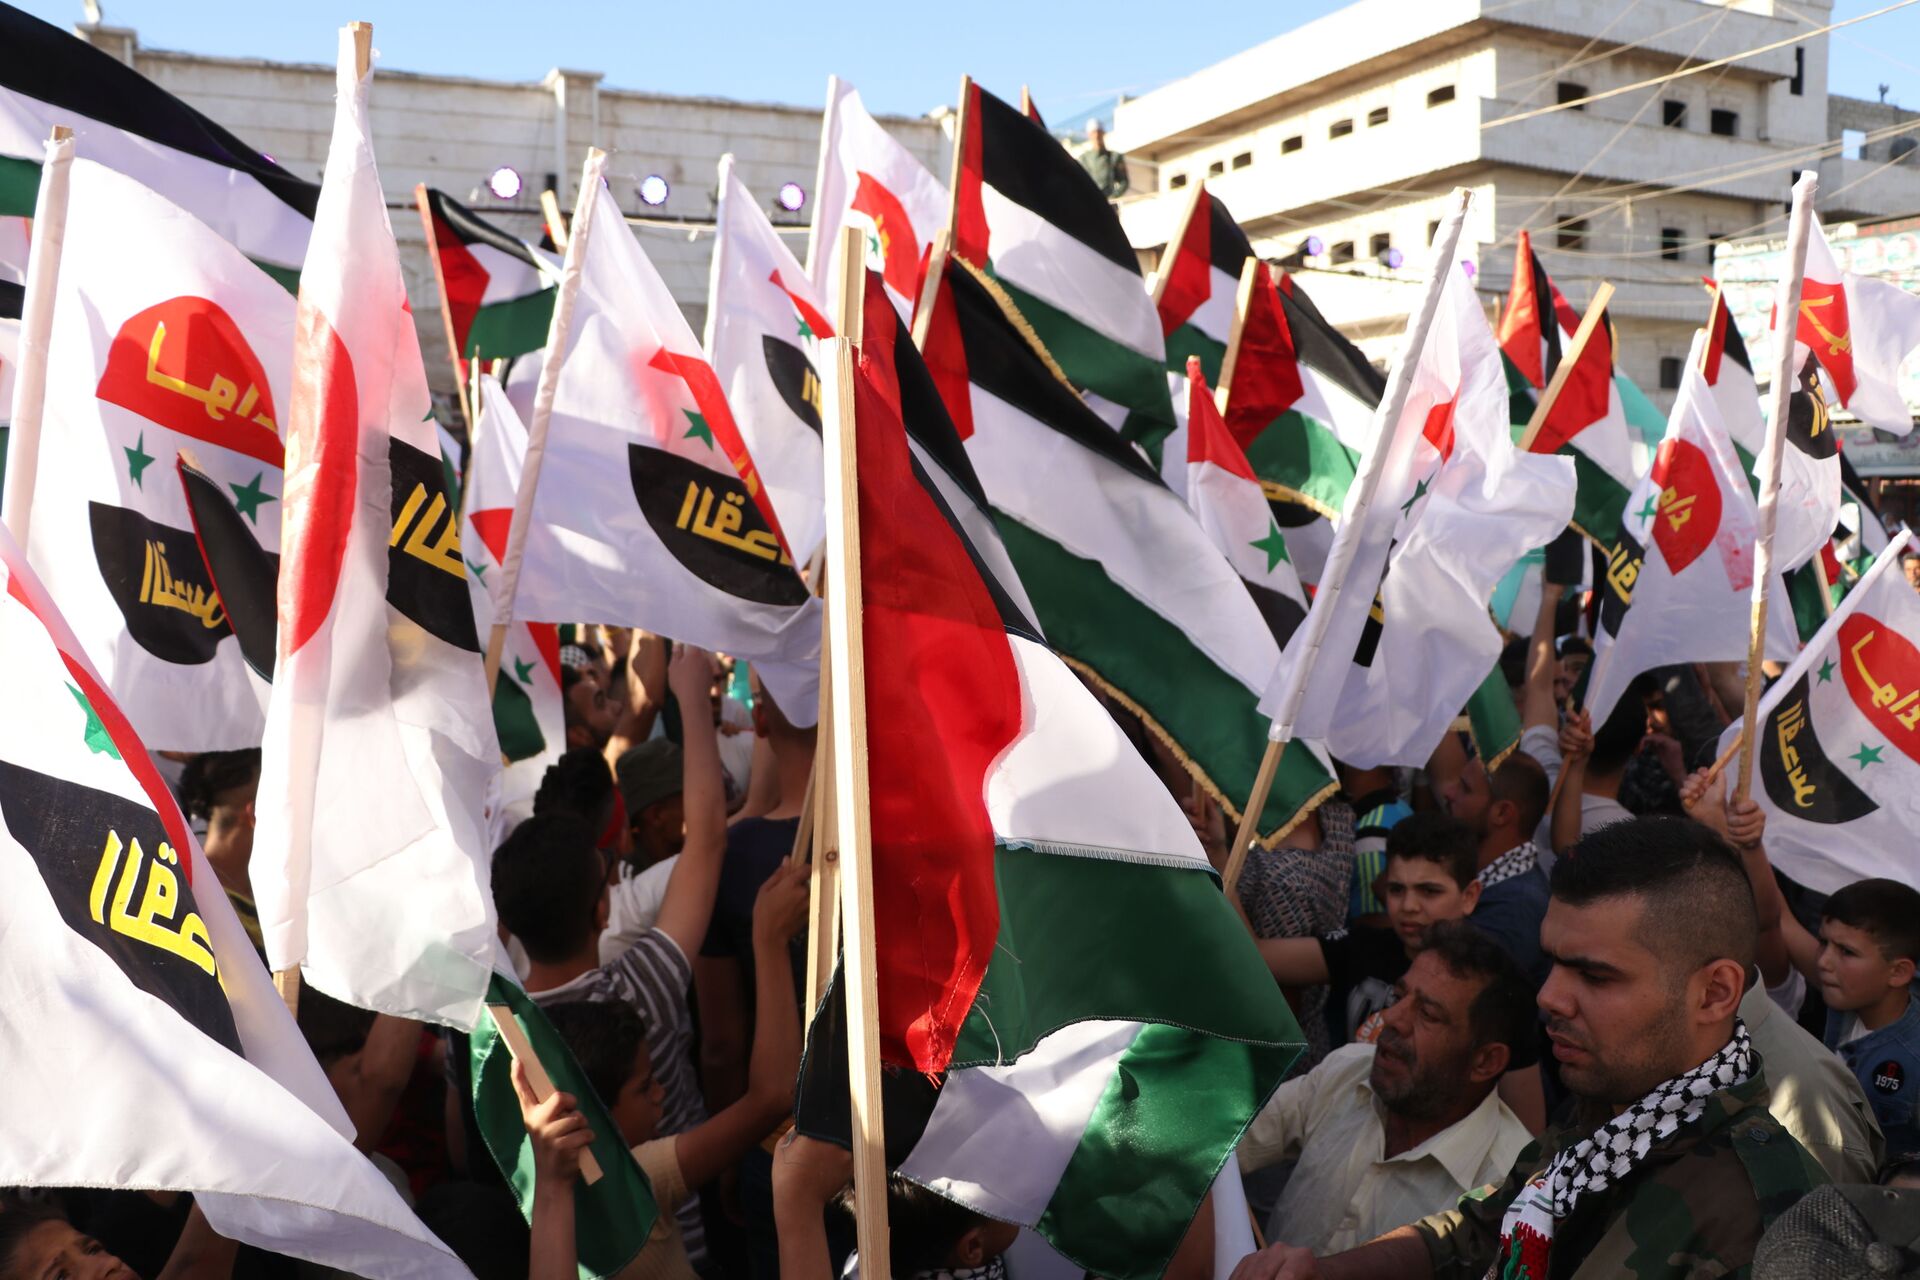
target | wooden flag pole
[
  {"x": 550, "y": 210},
  {"x": 860, "y": 960},
  {"x": 36, "y": 331},
  {"x": 446, "y": 312},
  {"x": 362, "y": 48},
  {"x": 1173, "y": 242},
  {"x": 1779, "y": 395},
  {"x": 937, "y": 256},
  {"x": 557, "y": 333},
  {"x": 1242, "y": 300},
  {"x": 1313, "y": 632},
  {"x": 1713, "y": 318},
  {"x": 521, "y": 1050},
  {"x": 1596, "y": 312},
  {"x": 962, "y": 121}
]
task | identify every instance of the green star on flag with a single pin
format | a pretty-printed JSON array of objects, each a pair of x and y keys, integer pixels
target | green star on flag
[
  {"x": 248, "y": 497},
  {"x": 97, "y": 738},
  {"x": 1653, "y": 505},
  {"x": 1826, "y": 671},
  {"x": 137, "y": 459},
  {"x": 1419, "y": 492},
  {"x": 873, "y": 244},
  {"x": 523, "y": 671},
  {"x": 1274, "y": 545},
  {"x": 806, "y": 330},
  {"x": 699, "y": 430},
  {"x": 479, "y": 570},
  {"x": 1867, "y": 755}
]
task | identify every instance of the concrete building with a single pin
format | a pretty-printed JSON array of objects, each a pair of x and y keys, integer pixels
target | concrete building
[
  {"x": 1354, "y": 128},
  {"x": 452, "y": 132}
]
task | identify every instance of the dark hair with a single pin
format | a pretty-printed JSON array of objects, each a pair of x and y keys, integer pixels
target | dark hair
[
  {"x": 1575, "y": 646},
  {"x": 1885, "y": 910},
  {"x": 580, "y": 783},
  {"x": 1437, "y": 838},
  {"x": 1699, "y": 904},
  {"x": 18, "y": 1220},
  {"x": 569, "y": 677},
  {"x": 923, "y": 1226},
  {"x": 547, "y": 880},
  {"x": 1522, "y": 781},
  {"x": 1503, "y": 1011},
  {"x": 604, "y": 1037},
  {"x": 1615, "y": 741},
  {"x": 1513, "y": 661},
  {"x": 481, "y": 1223},
  {"x": 212, "y": 774},
  {"x": 333, "y": 1028}
]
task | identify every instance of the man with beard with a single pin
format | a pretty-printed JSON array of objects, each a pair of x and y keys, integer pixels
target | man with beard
[
  {"x": 1671, "y": 1165},
  {"x": 1389, "y": 1131}
]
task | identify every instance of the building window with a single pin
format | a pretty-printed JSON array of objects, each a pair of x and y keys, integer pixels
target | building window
[
  {"x": 1340, "y": 128},
  {"x": 1217, "y": 168},
  {"x": 1176, "y": 182},
  {"x": 1853, "y": 142},
  {"x": 1341, "y": 252},
  {"x": 1567, "y": 91},
  {"x": 1714, "y": 241},
  {"x": 1670, "y": 238},
  {"x": 1724, "y": 122},
  {"x": 1290, "y": 145},
  {"x": 1433, "y": 230},
  {"x": 1798, "y": 84},
  {"x": 1670, "y": 367},
  {"x": 1242, "y": 160},
  {"x": 1900, "y": 148},
  {"x": 1379, "y": 244},
  {"x": 1573, "y": 234},
  {"x": 1437, "y": 96},
  {"x": 1673, "y": 113},
  {"x": 1377, "y": 116}
]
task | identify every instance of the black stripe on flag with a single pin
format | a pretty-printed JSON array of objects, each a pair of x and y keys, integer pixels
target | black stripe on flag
[
  {"x": 1027, "y": 165},
  {"x": 470, "y": 228},
  {"x": 1227, "y": 245},
  {"x": 44, "y": 62},
  {"x": 243, "y": 572},
  {"x": 1326, "y": 350},
  {"x": 1546, "y": 314},
  {"x": 12, "y": 298}
]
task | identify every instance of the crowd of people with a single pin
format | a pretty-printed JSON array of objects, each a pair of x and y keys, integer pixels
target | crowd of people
[{"x": 1562, "y": 1015}]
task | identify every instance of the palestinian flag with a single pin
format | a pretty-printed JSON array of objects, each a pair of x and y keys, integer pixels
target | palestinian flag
[
  {"x": 1589, "y": 421},
  {"x": 165, "y": 341},
  {"x": 1679, "y": 580},
  {"x": 1127, "y": 586},
  {"x": 869, "y": 180},
  {"x": 1410, "y": 641},
  {"x": 650, "y": 510},
  {"x": 1226, "y": 499},
  {"x": 125, "y": 122},
  {"x": 1859, "y": 329},
  {"x": 1073, "y": 1010},
  {"x": 1196, "y": 291},
  {"x": 131, "y": 988},
  {"x": 369, "y": 869},
  {"x": 1032, "y": 218},
  {"x": 765, "y": 323},
  {"x": 499, "y": 288},
  {"x": 1838, "y": 756}
]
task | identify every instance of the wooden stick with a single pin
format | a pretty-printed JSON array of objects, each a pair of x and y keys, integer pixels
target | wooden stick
[
  {"x": 1799, "y": 228},
  {"x": 362, "y": 48},
  {"x": 1713, "y": 318},
  {"x": 1313, "y": 633},
  {"x": 1243, "y": 299},
  {"x": 930, "y": 286},
  {"x": 1826, "y": 586},
  {"x": 1725, "y": 759},
  {"x": 1596, "y": 311},
  {"x": 36, "y": 331},
  {"x": 1173, "y": 241},
  {"x": 963, "y": 120},
  {"x": 550, "y": 210},
  {"x": 823, "y": 900},
  {"x": 557, "y": 333},
  {"x": 860, "y": 960},
  {"x": 521, "y": 1050},
  {"x": 287, "y": 983},
  {"x": 446, "y": 312}
]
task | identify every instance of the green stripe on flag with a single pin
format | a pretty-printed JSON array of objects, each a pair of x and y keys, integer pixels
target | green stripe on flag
[
  {"x": 19, "y": 186},
  {"x": 1598, "y": 500},
  {"x": 514, "y": 720},
  {"x": 1809, "y": 610},
  {"x": 1178, "y": 1102},
  {"x": 1189, "y": 341},
  {"x": 614, "y": 1215},
  {"x": 1493, "y": 719},
  {"x": 1202, "y": 711},
  {"x": 1303, "y": 457},
  {"x": 502, "y": 330}
]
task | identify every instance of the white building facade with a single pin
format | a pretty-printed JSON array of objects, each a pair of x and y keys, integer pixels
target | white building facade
[{"x": 1353, "y": 129}]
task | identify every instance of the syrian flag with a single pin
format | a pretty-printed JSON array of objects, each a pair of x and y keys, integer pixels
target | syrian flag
[
  {"x": 1225, "y": 497},
  {"x": 1860, "y": 329},
  {"x": 124, "y": 121},
  {"x": 1679, "y": 581},
  {"x": 869, "y": 180},
  {"x": 1589, "y": 422},
  {"x": 1196, "y": 292},
  {"x": 1126, "y": 584},
  {"x": 1031, "y": 217},
  {"x": 165, "y": 341},
  {"x": 500, "y": 289},
  {"x": 131, "y": 987},
  {"x": 370, "y": 863},
  {"x": 765, "y": 323},
  {"x": 1072, "y": 1007},
  {"x": 1809, "y": 502},
  {"x": 528, "y": 714},
  {"x": 1838, "y": 755},
  {"x": 649, "y": 510},
  {"x": 1455, "y": 509}
]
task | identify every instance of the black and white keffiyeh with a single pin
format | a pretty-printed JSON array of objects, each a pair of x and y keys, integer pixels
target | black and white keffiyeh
[
  {"x": 1516, "y": 861},
  {"x": 1610, "y": 1153}
]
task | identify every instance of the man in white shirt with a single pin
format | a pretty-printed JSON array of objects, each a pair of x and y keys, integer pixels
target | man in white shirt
[{"x": 1387, "y": 1132}]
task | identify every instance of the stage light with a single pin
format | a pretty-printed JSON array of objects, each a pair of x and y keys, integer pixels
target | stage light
[
  {"x": 1466, "y": 265},
  {"x": 1391, "y": 258},
  {"x": 792, "y": 196},
  {"x": 1312, "y": 247},
  {"x": 653, "y": 190},
  {"x": 504, "y": 182}
]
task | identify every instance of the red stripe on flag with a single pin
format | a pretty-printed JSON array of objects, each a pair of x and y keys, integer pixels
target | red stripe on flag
[
  {"x": 465, "y": 278},
  {"x": 546, "y": 638},
  {"x": 492, "y": 524},
  {"x": 945, "y": 352},
  {"x": 1189, "y": 277},
  {"x": 711, "y": 401},
  {"x": 323, "y": 478},
  {"x": 899, "y": 242},
  {"x": 1208, "y": 439},
  {"x": 942, "y": 679},
  {"x": 815, "y": 321},
  {"x": 970, "y": 232},
  {"x": 1520, "y": 323},
  {"x": 1585, "y": 396},
  {"x": 1716, "y": 335},
  {"x": 1266, "y": 374}
]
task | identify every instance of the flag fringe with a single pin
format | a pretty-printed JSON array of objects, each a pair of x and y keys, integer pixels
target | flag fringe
[{"x": 1011, "y": 310}]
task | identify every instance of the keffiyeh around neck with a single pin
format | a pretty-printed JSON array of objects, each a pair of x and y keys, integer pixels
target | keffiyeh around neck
[
  {"x": 1516, "y": 861},
  {"x": 1607, "y": 1155}
]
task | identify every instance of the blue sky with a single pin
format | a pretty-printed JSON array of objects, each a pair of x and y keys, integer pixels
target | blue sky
[{"x": 903, "y": 58}]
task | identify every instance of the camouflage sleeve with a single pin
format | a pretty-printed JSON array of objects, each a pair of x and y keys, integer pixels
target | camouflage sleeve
[{"x": 1462, "y": 1240}]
